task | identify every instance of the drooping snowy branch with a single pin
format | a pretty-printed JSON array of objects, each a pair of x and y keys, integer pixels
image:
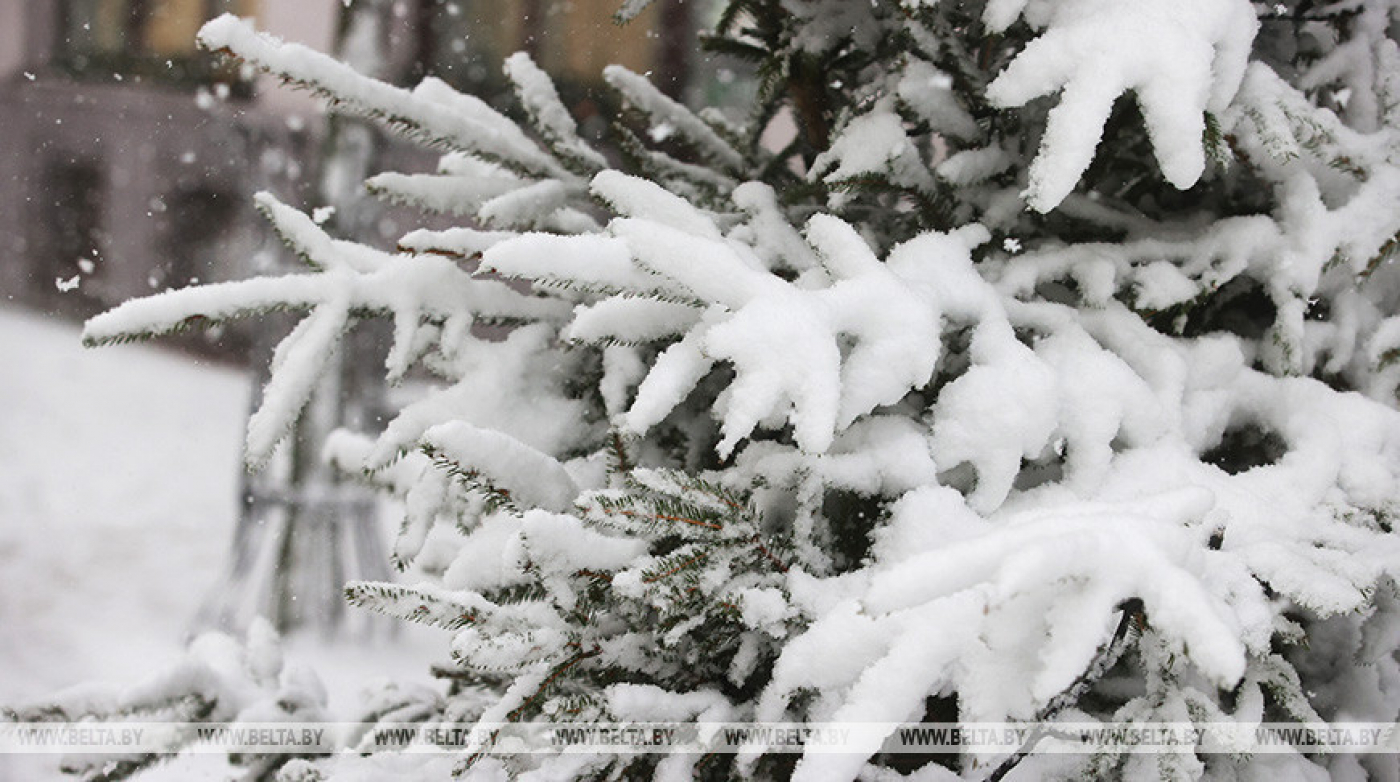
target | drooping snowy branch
[{"x": 1179, "y": 60}]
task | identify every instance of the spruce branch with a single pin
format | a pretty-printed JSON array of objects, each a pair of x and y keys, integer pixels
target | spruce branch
[
  {"x": 443, "y": 117},
  {"x": 423, "y": 604}
]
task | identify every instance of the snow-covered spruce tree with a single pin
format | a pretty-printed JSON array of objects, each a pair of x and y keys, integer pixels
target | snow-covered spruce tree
[{"x": 1049, "y": 373}]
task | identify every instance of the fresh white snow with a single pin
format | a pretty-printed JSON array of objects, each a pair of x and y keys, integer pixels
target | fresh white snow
[
  {"x": 118, "y": 498},
  {"x": 118, "y": 495}
]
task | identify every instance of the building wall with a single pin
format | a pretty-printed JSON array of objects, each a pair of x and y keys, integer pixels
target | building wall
[
  {"x": 11, "y": 37},
  {"x": 307, "y": 22},
  {"x": 125, "y": 186},
  {"x": 130, "y": 190}
]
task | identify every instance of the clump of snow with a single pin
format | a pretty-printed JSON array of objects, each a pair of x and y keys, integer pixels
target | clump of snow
[{"x": 873, "y": 143}]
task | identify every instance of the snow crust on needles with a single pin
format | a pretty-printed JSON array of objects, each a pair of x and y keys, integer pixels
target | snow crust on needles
[{"x": 1022, "y": 585}]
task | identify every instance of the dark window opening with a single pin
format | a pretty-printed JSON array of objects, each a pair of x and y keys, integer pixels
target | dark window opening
[
  {"x": 72, "y": 235},
  {"x": 196, "y": 219}
]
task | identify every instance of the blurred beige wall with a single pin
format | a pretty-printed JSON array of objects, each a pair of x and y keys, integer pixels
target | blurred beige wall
[
  {"x": 11, "y": 36},
  {"x": 309, "y": 22}
]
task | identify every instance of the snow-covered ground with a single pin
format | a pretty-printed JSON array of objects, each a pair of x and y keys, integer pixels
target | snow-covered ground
[
  {"x": 118, "y": 481},
  {"x": 118, "y": 493}
]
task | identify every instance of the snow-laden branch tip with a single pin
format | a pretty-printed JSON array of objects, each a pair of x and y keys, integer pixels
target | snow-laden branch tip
[{"x": 1180, "y": 59}]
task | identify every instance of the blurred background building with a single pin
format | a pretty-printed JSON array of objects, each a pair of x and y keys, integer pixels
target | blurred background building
[{"x": 127, "y": 156}]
